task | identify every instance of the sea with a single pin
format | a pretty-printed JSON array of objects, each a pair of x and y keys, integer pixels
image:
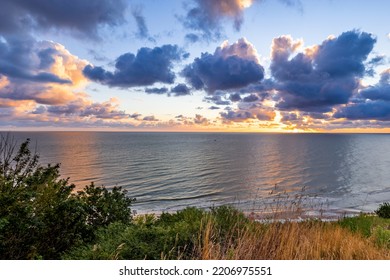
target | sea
[{"x": 311, "y": 175}]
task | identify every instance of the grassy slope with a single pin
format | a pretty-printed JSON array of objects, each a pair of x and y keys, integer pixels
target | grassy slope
[{"x": 225, "y": 233}]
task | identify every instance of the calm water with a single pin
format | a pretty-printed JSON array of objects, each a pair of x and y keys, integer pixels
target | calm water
[{"x": 333, "y": 173}]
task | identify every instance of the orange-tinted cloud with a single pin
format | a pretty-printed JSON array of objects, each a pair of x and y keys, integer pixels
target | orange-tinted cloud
[{"x": 205, "y": 18}]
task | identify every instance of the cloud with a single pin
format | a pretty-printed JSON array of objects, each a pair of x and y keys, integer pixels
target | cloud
[
  {"x": 200, "y": 120},
  {"x": 162, "y": 90},
  {"x": 150, "y": 119},
  {"x": 235, "y": 97},
  {"x": 86, "y": 109},
  {"x": 250, "y": 114},
  {"x": 372, "y": 103},
  {"x": 230, "y": 67},
  {"x": 321, "y": 77},
  {"x": 181, "y": 90},
  {"x": 42, "y": 71},
  {"x": 370, "y": 110},
  {"x": 205, "y": 17},
  {"x": 40, "y": 94},
  {"x": 135, "y": 116},
  {"x": 345, "y": 55},
  {"x": 214, "y": 108},
  {"x": 250, "y": 98},
  {"x": 81, "y": 112},
  {"x": 374, "y": 62},
  {"x": 192, "y": 38},
  {"x": 217, "y": 100},
  {"x": 24, "y": 58},
  {"x": 3, "y": 82},
  {"x": 79, "y": 17},
  {"x": 145, "y": 68},
  {"x": 143, "y": 31},
  {"x": 380, "y": 91}
]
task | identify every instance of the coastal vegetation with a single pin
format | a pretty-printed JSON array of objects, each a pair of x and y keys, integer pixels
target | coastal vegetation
[{"x": 42, "y": 216}]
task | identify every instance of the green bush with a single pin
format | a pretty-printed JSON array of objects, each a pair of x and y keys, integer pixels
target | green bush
[
  {"x": 384, "y": 210},
  {"x": 228, "y": 220},
  {"x": 170, "y": 236},
  {"x": 119, "y": 241},
  {"x": 361, "y": 224},
  {"x": 382, "y": 237},
  {"x": 40, "y": 214}
]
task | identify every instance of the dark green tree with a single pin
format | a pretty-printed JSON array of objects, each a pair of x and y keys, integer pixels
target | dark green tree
[{"x": 41, "y": 216}]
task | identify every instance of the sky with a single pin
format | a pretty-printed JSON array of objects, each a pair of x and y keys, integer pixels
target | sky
[{"x": 195, "y": 65}]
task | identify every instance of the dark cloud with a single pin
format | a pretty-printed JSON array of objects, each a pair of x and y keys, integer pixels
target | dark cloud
[
  {"x": 344, "y": 55},
  {"x": 244, "y": 114},
  {"x": 377, "y": 92},
  {"x": 250, "y": 98},
  {"x": 373, "y": 63},
  {"x": 135, "y": 116},
  {"x": 235, "y": 97},
  {"x": 315, "y": 96},
  {"x": 181, "y": 90},
  {"x": 10, "y": 17},
  {"x": 214, "y": 108},
  {"x": 162, "y": 90},
  {"x": 150, "y": 119},
  {"x": 102, "y": 111},
  {"x": 320, "y": 78},
  {"x": 46, "y": 57},
  {"x": 257, "y": 92},
  {"x": 377, "y": 60},
  {"x": 200, "y": 120},
  {"x": 217, "y": 100},
  {"x": 146, "y": 68},
  {"x": 230, "y": 67},
  {"x": 237, "y": 116},
  {"x": 81, "y": 108},
  {"x": 22, "y": 58},
  {"x": 81, "y": 17},
  {"x": 260, "y": 89},
  {"x": 289, "y": 117},
  {"x": 370, "y": 110},
  {"x": 373, "y": 102},
  {"x": 44, "y": 77}
]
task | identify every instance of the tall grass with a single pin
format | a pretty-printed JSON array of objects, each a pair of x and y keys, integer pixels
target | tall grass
[
  {"x": 226, "y": 233},
  {"x": 286, "y": 233},
  {"x": 309, "y": 240}
]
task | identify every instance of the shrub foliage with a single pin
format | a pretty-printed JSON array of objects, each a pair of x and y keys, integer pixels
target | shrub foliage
[
  {"x": 40, "y": 214},
  {"x": 384, "y": 210}
]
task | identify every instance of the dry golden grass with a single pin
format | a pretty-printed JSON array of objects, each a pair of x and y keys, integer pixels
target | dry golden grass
[{"x": 309, "y": 240}]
